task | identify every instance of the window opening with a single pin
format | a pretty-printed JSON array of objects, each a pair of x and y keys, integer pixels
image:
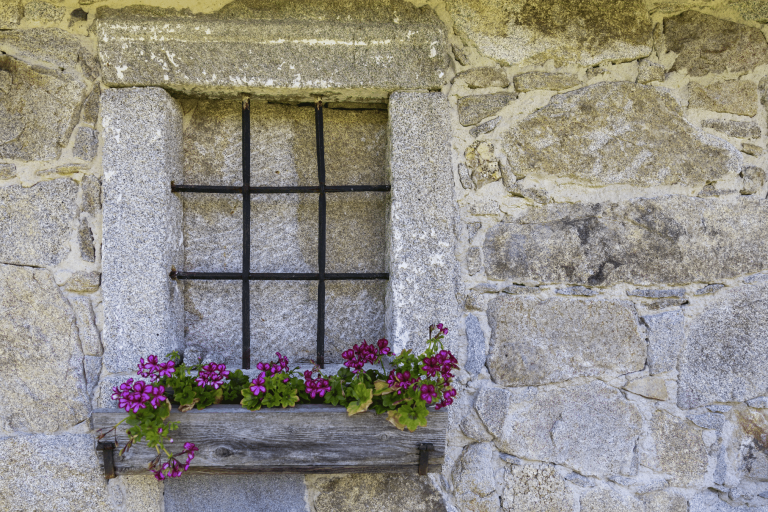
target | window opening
[{"x": 246, "y": 276}]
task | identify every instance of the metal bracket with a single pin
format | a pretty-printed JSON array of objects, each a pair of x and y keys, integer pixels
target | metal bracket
[
  {"x": 107, "y": 450},
  {"x": 424, "y": 449}
]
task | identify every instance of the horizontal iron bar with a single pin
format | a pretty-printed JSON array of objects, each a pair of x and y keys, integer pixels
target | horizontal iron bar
[
  {"x": 206, "y": 189},
  {"x": 274, "y": 276}
]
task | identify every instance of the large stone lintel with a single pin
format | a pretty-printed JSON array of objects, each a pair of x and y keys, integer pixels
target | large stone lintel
[
  {"x": 223, "y": 56},
  {"x": 423, "y": 269},
  {"x": 142, "y": 225}
]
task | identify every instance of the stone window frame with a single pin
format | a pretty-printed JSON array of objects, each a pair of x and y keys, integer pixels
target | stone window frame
[{"x": 142, "y": 241}]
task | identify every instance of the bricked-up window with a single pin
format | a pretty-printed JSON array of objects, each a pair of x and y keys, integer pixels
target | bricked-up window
[{"x": 315, "y": 248}]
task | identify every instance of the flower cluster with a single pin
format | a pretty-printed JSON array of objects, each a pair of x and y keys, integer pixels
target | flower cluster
[
  {"x": 359, "y": 355},
  {"x": 133, "y": 396},
  {"x": 173, "y": 468},
  {"x": 273, "y": 367},
  {"x": 401, "y": 381},
  {"x": 442, "y": 362},
  {"x": 447, "y": 399},
  {"x": 154, "y": 370},
  {"x": 316, "y": 387},
  {"x": 211, "y": 375}
]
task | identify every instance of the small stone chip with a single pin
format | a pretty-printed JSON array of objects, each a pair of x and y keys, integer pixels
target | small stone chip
[
  {"x": 710, "y": 288},
  {"x": 751, "y": 149},
  {"x": 657, "y": 294},
  {"x": 510, "y": 459},
  {"x": 731, "y": 97},
  {"x": 85, "y": 238},
  {"x": 582, "y": 291},
  {"x": 7, "y": 171},
  {"x": 666, "y": 303},
  {"x": 461, "y": 55},
  {"x": 708, "y": 420},
  {"x": 650, "y": 72},
  {"x": 464, "y": 178},
  {"x": 472, "y": 229},
  {"x": 474, "y": 260},
  {"x": 760, "y": 402},
  {"x": 485, "y": 288},
  {"x": 580, "y": 480},
  {"x": 485, "y": 127},
  {"x": 545, "y": 81},
  {"x": 83, "y": 282},
  {"x": 479, "y": 78},
  {"x": 753, "y": 179},
  {"x": 473, "y": 109},
  {"x": 517, "y": 289},
  {"x": 738, "y": 129},
  {"x": 86, "y": 144},
  {"x": 719, "y": 408}
]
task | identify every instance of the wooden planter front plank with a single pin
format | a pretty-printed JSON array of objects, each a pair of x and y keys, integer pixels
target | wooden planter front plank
[{"x": 303, "y": 439}]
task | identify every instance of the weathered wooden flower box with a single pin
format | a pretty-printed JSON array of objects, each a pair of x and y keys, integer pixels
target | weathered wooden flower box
[{"x": 303, "y": 439}]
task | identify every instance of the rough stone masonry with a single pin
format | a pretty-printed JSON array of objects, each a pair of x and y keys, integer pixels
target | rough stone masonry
[{"x": 579, "y": 192}]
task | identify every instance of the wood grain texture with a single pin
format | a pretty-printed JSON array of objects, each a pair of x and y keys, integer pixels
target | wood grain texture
[{"x": 304, "y": 439}]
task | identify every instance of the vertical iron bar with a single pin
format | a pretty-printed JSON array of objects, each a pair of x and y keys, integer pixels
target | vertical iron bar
[
  {"x": 246, "y": 232},
  {"x": 321, "y": 235}
]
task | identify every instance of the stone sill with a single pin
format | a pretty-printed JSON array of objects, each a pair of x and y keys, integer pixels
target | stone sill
[{"x": 307, "y": 438}]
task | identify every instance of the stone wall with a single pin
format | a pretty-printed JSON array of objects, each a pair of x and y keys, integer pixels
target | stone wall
[{"x": 608, "y": 217}]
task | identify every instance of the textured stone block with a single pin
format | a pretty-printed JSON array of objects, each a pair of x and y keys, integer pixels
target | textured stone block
[
  {"x": 485, "y": 127},
  {"x": 90, "y": 340},
  {"x": 85, "y": 239},
  {"x": 589, "y": 427},
  {"x": 577, "y": 290},
  {"x": 86, "y": 144},
  {"x": 754, "y": 178},
  {"x": 375, "y": 493},
  {"x": 534, "y": 342},
  {"x": 536, "y": 488},
  {"x": 473, "y": 478},
  {"x": 649, "y": 387},
  {"x": 10, "y": 13},
  {"x": 421, "y": 220},
  {"x": 343, "y": 45},
  {"x": 610, "y": 501},
  {"x": 479, "y": 78},
  {"x": 706, "y": 44},
  {"x": 136, "y": 492},
  {"x": 236, "y": 492},
  {"x": 36, "y": 222},
  {"x": 7, "y": 171},
  {"x": 51, "y": 473},
  {"x": 44, "y": 12},
  {"x": 746, "y": 430},
  {"x": 91, "y": 195},
  {"x": 753, "y": 10},
  {"x": 642, "y": 241},
  {"x": 666, "y": 333},
  {"x": 475, "y": 346},
  {"x": 41, "y": 363},
  {"x": 726, "y": 350},
  {"x": 39, "y": 110},
  {"x": 584, "y": 33},
  {"x": 83, "y": 282},
  {"x": 52, "y": 45},
  {"x": 680, "y": 449},
  {"x": 732, "y": 97},
  {"x": 708, "y": 420},
  {"x": 738, "y": 129},
  {"x": 649, "y": 71},
  {"x": 142, "y": 225},
  {"x": 589, "y": 137},
  {"x": 546, "y": 81},
  {"x": 664, "y": 501},
  {"x": 473, "y": 109}
]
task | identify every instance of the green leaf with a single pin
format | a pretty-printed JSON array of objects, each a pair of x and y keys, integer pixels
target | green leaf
[
  {"x": 381, "y": 387},
  {"x": 364, "y": 396},
  {"x": 413, "y": 416}
]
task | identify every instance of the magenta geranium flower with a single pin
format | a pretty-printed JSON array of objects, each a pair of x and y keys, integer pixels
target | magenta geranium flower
[
  {"x": 211, "y": 375},
  {"x": 257, "y": 384}
]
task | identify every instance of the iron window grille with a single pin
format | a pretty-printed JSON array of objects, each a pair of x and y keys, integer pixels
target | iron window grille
[{"x": 246, "y": 275}]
